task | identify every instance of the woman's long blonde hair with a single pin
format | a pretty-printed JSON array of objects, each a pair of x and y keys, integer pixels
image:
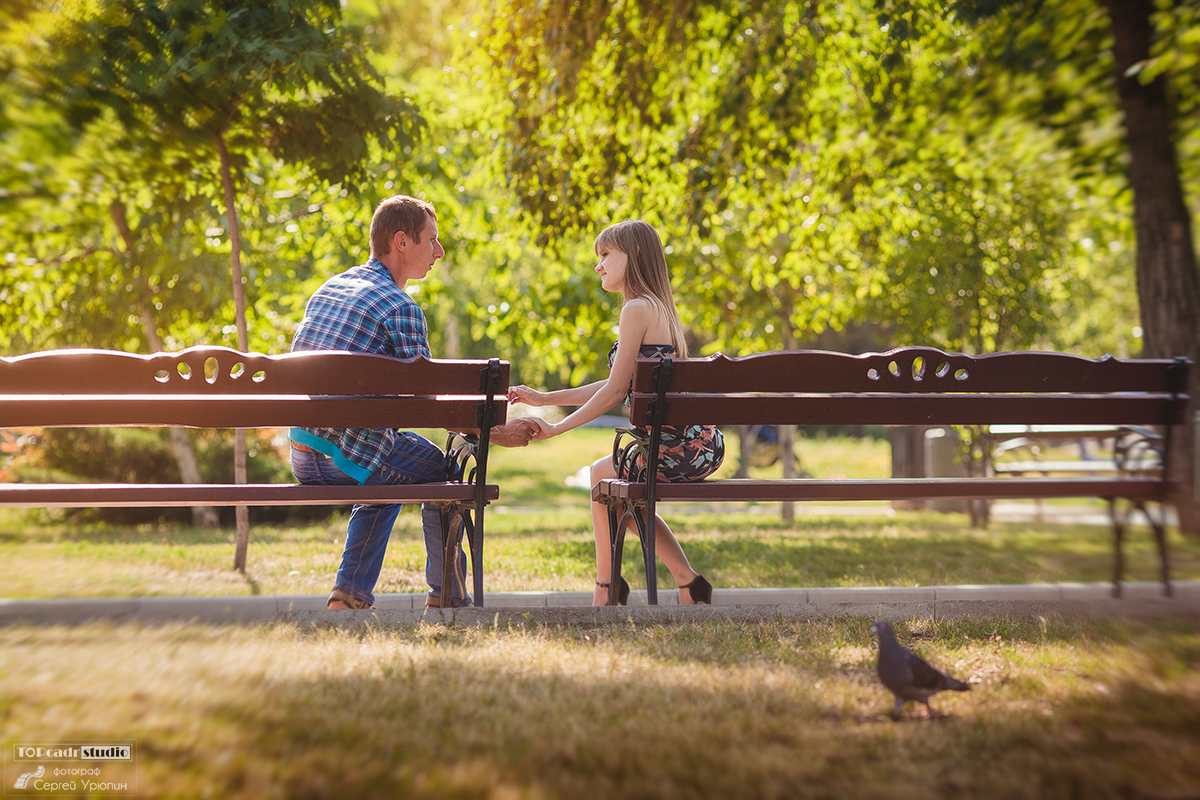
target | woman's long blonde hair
[{"x": 646, "y": 271}]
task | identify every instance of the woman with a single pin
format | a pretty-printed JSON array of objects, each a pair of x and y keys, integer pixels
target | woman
[{"x": 632, "y": 264}]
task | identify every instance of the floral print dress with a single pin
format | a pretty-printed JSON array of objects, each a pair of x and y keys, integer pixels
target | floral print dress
[{"x": 689, "y": 453}]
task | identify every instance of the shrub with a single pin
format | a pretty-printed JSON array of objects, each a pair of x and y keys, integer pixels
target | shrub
[{"x": 144, "y": 455}]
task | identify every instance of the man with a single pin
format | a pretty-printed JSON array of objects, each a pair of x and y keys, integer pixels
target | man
[{"x": 366, "y": 309}]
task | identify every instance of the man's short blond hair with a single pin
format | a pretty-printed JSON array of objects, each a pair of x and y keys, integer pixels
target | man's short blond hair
[{"x": 398, "y": 213}]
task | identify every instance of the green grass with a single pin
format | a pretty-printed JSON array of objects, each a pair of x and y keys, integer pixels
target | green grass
[
  {"x": 719, "y": 709},
  {"x": 716, "y": 709},
  {"x": 539, "y": 538},
  {"x": 553, "y": 550},
  {"x": 536, "y": 475}
]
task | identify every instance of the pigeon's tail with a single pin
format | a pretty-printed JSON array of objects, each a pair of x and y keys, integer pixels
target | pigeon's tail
[{"x": 955, "y": 685}]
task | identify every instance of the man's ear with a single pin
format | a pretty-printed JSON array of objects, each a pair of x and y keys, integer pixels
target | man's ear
[{"x": 399, "y": 240}]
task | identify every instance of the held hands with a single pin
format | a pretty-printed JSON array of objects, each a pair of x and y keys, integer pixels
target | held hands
[
  {"x": 539, "y": 429},
  {"x": 545, "y": 430},
  {"x": 515, "y": 432},
  {"x": 519, "y": 432}
]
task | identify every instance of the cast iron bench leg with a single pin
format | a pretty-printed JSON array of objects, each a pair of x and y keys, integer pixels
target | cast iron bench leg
[
  {"x": 618, "y": 519},
  {"x": 449, "y": 553},
  {"x": 1160, "y": 537},
  {"x": 473, "y": 530},
  {"x": 646, "y": 531},
  {"x": 1118, "y": 520}
]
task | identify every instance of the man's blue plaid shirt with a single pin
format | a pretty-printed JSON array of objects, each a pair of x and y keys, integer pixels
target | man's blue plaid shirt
[{"x": 361, "y": 310}]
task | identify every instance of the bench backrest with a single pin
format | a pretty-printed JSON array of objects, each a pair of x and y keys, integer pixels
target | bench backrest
[
  {"x": 911, "y": 386},
  {"x": 216, "y": 387}
]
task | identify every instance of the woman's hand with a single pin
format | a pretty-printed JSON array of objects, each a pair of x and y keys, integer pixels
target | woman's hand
[
  {"x": 523, "y": 394},
  {"x": 545, "y": 430}
]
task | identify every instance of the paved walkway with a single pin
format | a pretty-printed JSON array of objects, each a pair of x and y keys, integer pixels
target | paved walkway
[{"x": 1076, "y": 600}]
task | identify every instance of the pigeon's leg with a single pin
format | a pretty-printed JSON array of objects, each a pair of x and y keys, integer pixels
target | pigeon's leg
[
  {"x": 899, "y": 707},
  {"x": 928, "y": 712}
]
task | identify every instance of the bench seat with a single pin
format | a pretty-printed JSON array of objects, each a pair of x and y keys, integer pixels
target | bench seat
[
  {"x": 158, "y": 495},
  {"x": 846, "y": 490}
]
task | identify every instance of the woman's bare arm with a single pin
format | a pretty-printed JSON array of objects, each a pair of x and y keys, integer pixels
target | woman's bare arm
[{"x": 636, "y": 318}]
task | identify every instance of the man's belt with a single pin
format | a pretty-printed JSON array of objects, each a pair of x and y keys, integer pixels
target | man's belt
[{"x": 303, "y": 448}]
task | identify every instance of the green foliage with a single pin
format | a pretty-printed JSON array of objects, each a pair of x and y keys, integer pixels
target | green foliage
[
  {"x": 102, "y": 247},
  {"x": 811, "y": 166},
  {"x": 979, "y": 242},
  {"x": 132, "y": 455},
  {"x": 167, "y": 82},
  {"x": 286, "y": 76},
  {"x": 776, "y": 146}
]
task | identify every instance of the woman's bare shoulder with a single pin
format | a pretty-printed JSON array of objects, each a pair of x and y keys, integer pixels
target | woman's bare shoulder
[{"x": 639, "y": 306}]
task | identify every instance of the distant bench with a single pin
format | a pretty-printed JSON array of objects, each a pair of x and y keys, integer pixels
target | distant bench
[
  {"x": 907, "y": 386},
  {"x": 215, "y": 387},
  {"x": 1020, "y": 449}
]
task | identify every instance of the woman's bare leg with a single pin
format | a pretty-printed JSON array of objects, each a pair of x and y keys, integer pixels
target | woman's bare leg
[
  {"x": 666, "y": 546},
  {"x": 601, "y": 468}
]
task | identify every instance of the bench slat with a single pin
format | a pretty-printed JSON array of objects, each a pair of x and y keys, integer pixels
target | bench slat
[
  {"x": 30, "y": 495},
  {"x": 824, "y": 371},
  {"x": 312, "y": 372},
  {"x": 266, "y": 411},
  {"x": 895, "y": 489},
  {"x": 909, "y": 409}
]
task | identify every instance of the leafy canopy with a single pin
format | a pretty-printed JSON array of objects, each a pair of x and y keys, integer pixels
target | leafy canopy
[{"x": 287, "y": 76}]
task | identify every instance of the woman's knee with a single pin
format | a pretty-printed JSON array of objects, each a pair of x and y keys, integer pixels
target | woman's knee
[{"x": 602, "y": 468}]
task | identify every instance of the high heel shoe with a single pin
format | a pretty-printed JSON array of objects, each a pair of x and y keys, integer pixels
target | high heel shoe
[
  {"x": 700, "y": 590},
  {"x": 623, "y": 591}
]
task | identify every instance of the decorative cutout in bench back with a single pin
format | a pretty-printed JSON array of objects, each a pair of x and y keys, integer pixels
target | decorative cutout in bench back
[
  {"x": 220, "y": 370},
  {"x": 911, "y": 369}
]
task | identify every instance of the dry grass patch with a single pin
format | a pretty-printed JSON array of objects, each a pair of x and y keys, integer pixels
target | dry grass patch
[{"x": 717, "y": 709}]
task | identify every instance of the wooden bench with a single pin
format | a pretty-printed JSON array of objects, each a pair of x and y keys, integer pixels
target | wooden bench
[
  {"x": 215, "y": 387},
  {"x": 1021, "y": 449},
  {"x": 907, "y": 386}
]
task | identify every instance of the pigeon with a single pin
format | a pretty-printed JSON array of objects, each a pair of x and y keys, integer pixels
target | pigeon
[{"x": 907, "y": 675}]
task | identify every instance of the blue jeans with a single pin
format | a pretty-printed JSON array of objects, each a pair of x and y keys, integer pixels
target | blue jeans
[{"x": 415, "y": 459}]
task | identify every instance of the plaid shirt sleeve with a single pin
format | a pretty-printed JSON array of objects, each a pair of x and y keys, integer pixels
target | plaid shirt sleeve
[{"x": 407, "y": 332}]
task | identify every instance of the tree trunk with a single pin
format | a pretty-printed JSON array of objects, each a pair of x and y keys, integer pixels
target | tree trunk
[
  {"x": 1166, "y": 259},
  {"x": 908, "y": 458},
  {"x": 747, "y": 441},
  {"x": 243, "y": 338},
  {"x": 787, "y": 453},
  {"x": 787, "y": 433},
  {"x": 452, "y": 337},
  {"x": 181, "y": 445}
]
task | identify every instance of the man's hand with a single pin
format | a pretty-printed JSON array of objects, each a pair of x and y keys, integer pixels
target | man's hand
[{"x": 515, "y": 432}]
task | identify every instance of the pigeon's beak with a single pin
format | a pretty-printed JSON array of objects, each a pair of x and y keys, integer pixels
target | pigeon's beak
[{"x": 874, "y": 630}]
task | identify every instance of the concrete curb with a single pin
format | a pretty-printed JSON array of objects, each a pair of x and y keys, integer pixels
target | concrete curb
[{"x": 1083, "y": 601}]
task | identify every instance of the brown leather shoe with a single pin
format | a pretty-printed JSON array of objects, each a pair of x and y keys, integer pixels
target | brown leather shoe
[
  {"x": 435, "y": 601},
  {"x": 351, "y": 601}
]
